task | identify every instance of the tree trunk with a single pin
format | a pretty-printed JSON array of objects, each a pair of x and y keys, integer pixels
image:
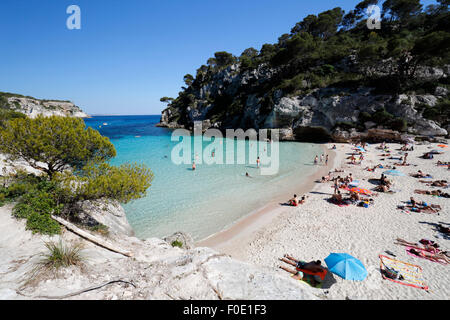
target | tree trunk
[{"x": 90, "y": 237}]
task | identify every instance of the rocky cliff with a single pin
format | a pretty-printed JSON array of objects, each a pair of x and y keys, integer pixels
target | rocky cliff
[
  {"x": 331, "y": 76},
  {"x": 320, "y": 114},
  {"x": 33, "y": 107}
]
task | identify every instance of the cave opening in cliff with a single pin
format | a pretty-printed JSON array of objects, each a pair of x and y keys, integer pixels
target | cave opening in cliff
[{"x": 309, "y": 134}]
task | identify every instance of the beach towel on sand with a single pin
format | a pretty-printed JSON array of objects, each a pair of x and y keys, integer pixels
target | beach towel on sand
[
  {"x": 309, "y": 282},
  {"x": 412, "y": 274}
]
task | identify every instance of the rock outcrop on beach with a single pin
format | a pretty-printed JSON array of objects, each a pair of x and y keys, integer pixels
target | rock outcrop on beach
[
  {"x": 33, "y": 107},
  {"x": 157, "y": 270},
  {"x": 330, "y": 74}
]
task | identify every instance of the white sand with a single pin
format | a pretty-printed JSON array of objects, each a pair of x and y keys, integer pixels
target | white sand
[{"x": 317, "y": 228}]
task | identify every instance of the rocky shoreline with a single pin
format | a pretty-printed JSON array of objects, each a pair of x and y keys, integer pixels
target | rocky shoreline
[
  {"x": 157, "y": 269},
  {"x": 33, "y": 107}
]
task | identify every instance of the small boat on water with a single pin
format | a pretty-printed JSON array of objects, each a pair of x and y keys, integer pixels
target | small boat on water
[{"x": 105, "y": 124}]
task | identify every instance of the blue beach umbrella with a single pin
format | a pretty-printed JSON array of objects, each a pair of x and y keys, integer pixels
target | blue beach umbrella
[
  {"x": 394, "y": 173},
  {"x": 346, "y": 266}
]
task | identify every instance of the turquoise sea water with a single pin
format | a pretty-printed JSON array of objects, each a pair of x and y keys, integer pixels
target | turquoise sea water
[{"x": 200, "y": 202}]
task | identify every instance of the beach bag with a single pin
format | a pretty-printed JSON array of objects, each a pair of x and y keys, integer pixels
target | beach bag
[{"x": 392, "y": 274}]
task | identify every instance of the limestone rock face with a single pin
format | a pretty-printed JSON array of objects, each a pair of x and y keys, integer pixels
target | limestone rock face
[
  {"x": 254, "y": 105},
  {"x": 157, "y": 270},
  {"x": 34, "y": 107},
  {"x": 107, "y": 212},
  {"x": 185, "y": 239}
]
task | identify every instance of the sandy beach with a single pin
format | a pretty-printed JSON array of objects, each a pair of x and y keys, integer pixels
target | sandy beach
[
  {"x": 228, "y": 241},
  {"x": 314, "y": 230}
]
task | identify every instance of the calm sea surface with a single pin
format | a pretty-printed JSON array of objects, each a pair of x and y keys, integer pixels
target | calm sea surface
[{"x": 200, "y": 202}]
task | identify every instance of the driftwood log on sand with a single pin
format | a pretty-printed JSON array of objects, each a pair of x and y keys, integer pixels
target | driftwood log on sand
[{"x": 90, "y": 237}]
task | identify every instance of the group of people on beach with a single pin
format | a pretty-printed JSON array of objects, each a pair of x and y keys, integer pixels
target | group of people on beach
[
  {"x": 309, "y": 271},
  {"x": 295, "y": 201},
  {"x": 322, "y": 158}
]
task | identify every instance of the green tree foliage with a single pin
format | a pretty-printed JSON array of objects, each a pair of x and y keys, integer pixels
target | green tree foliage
[
  {"x": 6, "y": 114},
  {"x": 324, "y": 25},
  {"x": 103, "y": 181},
  {"x": 37, "y": 204},
  {"x": 224, "y": 59},
  {"x": 401, "y": 10},
  {"x": 73, "y": 162},
  {"x": 248, "y": 58},
  {"x": 53, "y": 143},
  {"x": 166, "y": 100},
  {"x": 433, "y": 49},
  {"x": 188, "y": 79}
]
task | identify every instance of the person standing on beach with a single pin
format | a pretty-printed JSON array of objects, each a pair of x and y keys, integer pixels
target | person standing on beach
[
  {"x": 258, "y": 162},
  {"x": 193, "y": 166},
  {"x": 321, "y": 158},
  {"x": 326, "y": 160},
  {"x": 316, "y": 159},
  {"x": 336, "y": 184}
]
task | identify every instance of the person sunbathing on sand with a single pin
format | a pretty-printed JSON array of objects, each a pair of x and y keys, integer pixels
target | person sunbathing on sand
[
  {"x": 354, "y": 196},
  {"x": 385, "y": 186},
  {"x": 298, "y": 275},
  {"x": 384, "y": 181},
  {"x": 436, "y": 257},
  {"x": 439, "y": 183},
  {"x": 420, "y": 174},
  {"x": 294, "y": 201},
  {"x": 303, "y": 200},
  {"x": 428, "y": 155},
  {"x": 337, "y": 197},
  {"x": 421, "y": 206},
  {"x": 313, "y": 266},
  {"x": 374, "y": 168}
]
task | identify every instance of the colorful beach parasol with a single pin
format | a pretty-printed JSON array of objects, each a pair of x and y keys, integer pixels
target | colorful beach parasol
[
  {"x": 394, "y": 173},
  {"x": 346, "y": 266}
]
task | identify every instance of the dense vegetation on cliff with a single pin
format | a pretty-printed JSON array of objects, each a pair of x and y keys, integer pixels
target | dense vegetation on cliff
[{"x": 334, "y": 49}]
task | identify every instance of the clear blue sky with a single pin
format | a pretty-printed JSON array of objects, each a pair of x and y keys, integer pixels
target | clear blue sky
[{"x": 129, "y": 54}]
